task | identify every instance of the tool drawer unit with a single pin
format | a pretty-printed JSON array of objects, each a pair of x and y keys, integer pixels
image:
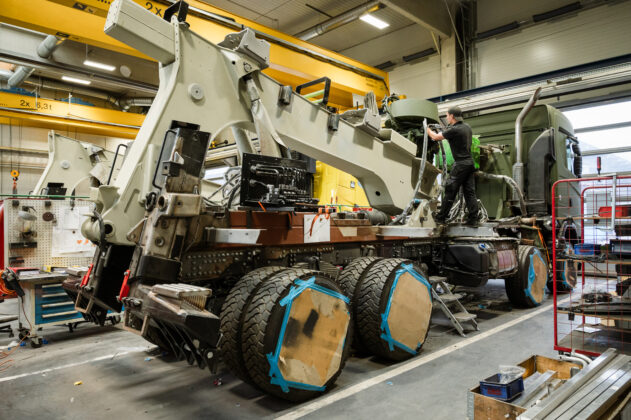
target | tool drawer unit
[{"x": 44, "y": 303}]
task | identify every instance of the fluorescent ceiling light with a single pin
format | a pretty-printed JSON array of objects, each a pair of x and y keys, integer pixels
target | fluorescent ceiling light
[
  {"x": 376, "y": 22},
  {"x": 98, "y": 65},
  {"x": 75, "y": 80}
]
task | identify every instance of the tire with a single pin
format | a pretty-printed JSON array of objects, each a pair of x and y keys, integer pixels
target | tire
[
  {"x": 521, "y": 292},
  {"x": 264, "y": 322},
  {"x": 373, "y": 296},
  {"x": 36, "y": 343},
  {"x": 232, "y": 313},
  {"x": 349, "y": 280},
  {"x": 567, "y": 273}
]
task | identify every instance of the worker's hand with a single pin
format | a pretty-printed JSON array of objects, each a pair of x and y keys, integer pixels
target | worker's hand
[{"x": 434, "y": 136}]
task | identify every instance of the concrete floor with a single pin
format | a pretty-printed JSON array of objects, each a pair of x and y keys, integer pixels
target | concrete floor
[{"x": 122, "y": 375}]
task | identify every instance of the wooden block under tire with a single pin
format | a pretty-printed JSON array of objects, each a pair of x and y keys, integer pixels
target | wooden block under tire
[
  {"x": 296, "y": 334},
  {"x": 394, "y": 308}
]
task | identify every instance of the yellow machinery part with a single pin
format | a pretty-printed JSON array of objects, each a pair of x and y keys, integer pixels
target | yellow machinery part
[
  {"x": 84, "y": 21},
  {"x": 334, "y": 187},
  {"x": 57, "y": 115}
]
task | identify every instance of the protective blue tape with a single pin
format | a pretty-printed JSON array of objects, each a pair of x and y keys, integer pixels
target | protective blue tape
[
  {"x": 272, "y": 358},
  {"x": 566, "y": 268},
  {"x": 531, "y": 275},
  {"x": 385, "y": 328},
  {"x": 563, "y": 277}
]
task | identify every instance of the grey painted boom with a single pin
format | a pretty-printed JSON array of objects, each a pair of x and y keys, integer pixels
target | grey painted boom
[{"x": 216, "y": 88}]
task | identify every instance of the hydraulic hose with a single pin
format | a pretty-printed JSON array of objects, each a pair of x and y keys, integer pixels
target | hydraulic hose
[
  {"x": 511, "y": 183},
  {"x": 420, "y": 178}
]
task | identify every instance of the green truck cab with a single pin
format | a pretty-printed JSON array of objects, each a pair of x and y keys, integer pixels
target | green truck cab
[{"x": 550, "y": 153}]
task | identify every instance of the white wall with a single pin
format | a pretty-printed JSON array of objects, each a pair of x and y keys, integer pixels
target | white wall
[
  {"x": 495, "y": 13},
  {"x": 418, "y": 80},
  {"x": 591, "y": 35},
  {"x": 32, "y": 165}
]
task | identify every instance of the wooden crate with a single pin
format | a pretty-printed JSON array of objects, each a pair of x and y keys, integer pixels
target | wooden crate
[{"x": 480, "y": 407}]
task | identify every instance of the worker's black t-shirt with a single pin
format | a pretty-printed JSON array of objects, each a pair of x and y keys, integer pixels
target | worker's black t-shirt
[{"x": 459, "y": 137}]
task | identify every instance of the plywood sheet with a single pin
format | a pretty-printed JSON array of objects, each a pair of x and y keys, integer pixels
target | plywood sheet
[
  {"x": 410, "y": 311},
  {"x": 486, "y": 408},
  {"x": 312, "y": 348},
  {"x": 541, "y": 276}
]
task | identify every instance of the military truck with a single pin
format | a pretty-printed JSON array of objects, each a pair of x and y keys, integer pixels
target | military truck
[{"x": 549, "y": 152}]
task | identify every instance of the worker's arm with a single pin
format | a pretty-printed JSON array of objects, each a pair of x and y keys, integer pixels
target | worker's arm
[{"x": 434, "y": 136}]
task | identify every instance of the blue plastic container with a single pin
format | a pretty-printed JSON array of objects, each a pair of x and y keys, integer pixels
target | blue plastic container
[
  {"x": 587, "y": 249},
  {"x": 491, "y": 387}
]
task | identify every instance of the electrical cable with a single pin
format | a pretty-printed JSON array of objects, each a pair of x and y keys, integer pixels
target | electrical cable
[
  {"x": 459, "y": 211},
  {"x": 5, "y": 292},
  {"x": 453, "y": 26}
]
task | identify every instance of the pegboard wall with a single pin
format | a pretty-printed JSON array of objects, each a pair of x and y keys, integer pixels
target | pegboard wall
[{"x": 53, "y": 238}]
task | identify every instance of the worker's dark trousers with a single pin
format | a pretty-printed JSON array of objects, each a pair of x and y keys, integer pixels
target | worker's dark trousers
[{"x": 461, "y": 176}]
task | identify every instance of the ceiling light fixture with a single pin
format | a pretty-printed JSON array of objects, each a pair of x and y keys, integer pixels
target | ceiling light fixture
[
  {"x": 376, "y": 22},
  {"x": 96, "y": 64},
  {"x": 75, "y": 80}
]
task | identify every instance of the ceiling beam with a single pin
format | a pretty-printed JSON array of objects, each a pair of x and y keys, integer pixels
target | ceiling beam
[
  {"x": 19, "y": 47},
  {"x": 431, "y": 14},
  {"x": 47, "y": 113}
]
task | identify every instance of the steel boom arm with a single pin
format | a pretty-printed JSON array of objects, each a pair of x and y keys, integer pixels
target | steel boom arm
[{"x": 217, "y": 87}]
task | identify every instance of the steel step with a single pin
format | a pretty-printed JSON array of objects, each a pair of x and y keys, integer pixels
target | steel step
[
  {"x": 437, "y": 279},
  {"x": 464, "y": 316},
  {"x": 450, "y": 297}
]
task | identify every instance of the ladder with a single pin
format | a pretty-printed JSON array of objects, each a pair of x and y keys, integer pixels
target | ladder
[{"x": 447, "y": 301}]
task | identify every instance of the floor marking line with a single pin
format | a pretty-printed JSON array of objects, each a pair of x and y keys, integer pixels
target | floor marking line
[
  {"x": 405, "y": 367},
  {"x": 39, "y": 372}
]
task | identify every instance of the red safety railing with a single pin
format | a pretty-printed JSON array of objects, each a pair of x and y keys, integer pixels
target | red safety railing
[{"x": 593, "y": 311}]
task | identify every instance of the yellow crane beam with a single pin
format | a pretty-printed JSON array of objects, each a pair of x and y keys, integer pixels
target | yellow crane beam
[
  {"x": 293, "y": 61},
  {"x": 32, "y": 111}
]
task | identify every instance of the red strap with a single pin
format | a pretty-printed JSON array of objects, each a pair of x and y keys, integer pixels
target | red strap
[
  {"x": 326, "y": 213},
  {"x": 86, "y": 277},
  {"x": 124, "y": 287}
]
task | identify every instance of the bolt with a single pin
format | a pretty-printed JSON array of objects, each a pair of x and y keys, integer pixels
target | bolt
[{"x": 159, "y": 241}]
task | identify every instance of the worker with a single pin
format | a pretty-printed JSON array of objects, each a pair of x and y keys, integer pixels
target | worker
[{"x": 459, "y": 137}]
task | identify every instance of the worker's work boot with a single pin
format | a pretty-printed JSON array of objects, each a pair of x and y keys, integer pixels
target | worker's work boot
[
  {"x": 473, "y": 221},
  {"x": 439, "y": 220}
]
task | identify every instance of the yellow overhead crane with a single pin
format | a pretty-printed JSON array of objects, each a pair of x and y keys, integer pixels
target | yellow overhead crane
[
  {"x": 57, "y": 115},
  {"x": 292, "y": 61}
]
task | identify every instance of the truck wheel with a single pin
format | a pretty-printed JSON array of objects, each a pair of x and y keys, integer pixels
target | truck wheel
[
  {"x": 567, "y": 274},
  {"x": 527, "y": 287},
  {"x": 232, "y": 313},
  {"x": 349, "y": 280},
  {"x": 296, "y": 334},
  {"x": 394, "y": 309}
]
